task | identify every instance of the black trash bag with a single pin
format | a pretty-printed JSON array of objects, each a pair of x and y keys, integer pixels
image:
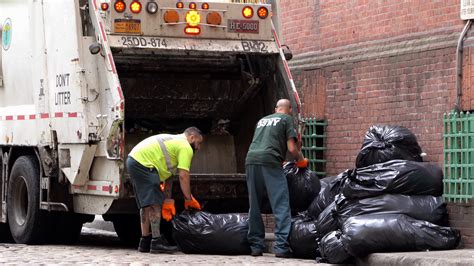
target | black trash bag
[
  {"x": 205, "y": 233},
  {"x": 330, "y": 187},
  {"x": 386, "y": 143},
  {"x": 303, "y": 236},
  {"x": 394, "y": 177},
  {"x": 303, "y": 185},
  {"x": 332, "y": 250},
  {"x": 327, "y": 220},
  {"x": 365, "y": 234},
  {"x": 426, "y": 208}
]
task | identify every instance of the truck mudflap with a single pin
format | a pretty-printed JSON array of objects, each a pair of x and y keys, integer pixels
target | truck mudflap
[{"x": 170, "y": 44}]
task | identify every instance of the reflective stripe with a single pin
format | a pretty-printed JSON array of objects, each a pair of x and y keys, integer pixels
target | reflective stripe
[{"x": 161, "y": 140}]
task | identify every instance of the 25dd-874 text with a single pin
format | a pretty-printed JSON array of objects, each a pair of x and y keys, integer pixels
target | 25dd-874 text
[{"x": 131, "y": 41}]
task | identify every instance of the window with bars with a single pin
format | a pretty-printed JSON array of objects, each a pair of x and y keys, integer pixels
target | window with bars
[
  {"x": 458, "y": 157},
  {"x": 314, "y": 144}
]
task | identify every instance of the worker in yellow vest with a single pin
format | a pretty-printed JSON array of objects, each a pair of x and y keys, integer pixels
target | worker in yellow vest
[{"x": 155, "y": 160}]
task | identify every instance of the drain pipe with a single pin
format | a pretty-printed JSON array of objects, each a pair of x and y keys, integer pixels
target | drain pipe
[{"x": 459, "y": 52}]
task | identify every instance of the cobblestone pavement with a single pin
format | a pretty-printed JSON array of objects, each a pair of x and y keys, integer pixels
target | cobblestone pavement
[{"x": 103, "y": 247}]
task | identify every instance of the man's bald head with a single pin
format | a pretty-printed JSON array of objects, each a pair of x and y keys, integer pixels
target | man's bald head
[{"x": 283, "y": 106}]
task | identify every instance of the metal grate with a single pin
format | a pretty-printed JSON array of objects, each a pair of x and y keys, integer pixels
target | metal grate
[
  {"x": 314, "y": 144},
  {"x": 459, "y": 156}
]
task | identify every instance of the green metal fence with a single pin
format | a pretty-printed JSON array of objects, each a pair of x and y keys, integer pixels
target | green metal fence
[
  {"x": 459, "y": 156},
  {"x": 314, "y": 144}
]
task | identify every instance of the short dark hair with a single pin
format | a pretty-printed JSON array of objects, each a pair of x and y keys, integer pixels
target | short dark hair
[{"x": 192, "y": 131}]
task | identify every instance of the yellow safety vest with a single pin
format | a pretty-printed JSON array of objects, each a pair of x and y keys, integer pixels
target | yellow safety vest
[{"x": 165, "y": 152}]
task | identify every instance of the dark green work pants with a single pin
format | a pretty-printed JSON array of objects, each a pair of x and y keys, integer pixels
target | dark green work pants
[{"x": 259, "y": 178}]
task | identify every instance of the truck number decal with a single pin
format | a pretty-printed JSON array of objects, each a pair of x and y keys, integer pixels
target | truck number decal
[
  {"x": 243, "y": 26},
  {"x": 131, "y": 41},
  {"x": 254, "y": 46}
]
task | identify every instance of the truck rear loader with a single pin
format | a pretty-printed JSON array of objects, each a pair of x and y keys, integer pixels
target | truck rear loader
[{"x": 82, "y": 82}]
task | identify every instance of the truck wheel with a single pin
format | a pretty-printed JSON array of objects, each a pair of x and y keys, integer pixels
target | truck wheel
[
  {"x": 26, "y": 220},
  {"x": 127, "y": 228}
]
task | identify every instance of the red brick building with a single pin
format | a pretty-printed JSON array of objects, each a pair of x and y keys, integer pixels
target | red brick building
[{"x": 364, "y": 62}]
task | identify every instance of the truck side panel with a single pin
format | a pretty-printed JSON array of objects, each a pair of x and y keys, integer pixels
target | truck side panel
[
  {"x": 24, "y": 72},
  {"x": 65, "y": 72}
]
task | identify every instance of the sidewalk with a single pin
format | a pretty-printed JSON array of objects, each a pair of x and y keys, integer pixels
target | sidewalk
[
  {"x": 428, "y": 258},
  {"x": 456, "y": 257}
]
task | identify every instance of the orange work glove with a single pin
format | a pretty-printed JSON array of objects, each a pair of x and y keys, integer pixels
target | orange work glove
[
  {"x": 168, "y": 210},
  {"x": 303, "y": 163},
  {"x": 192, "y": 204}
]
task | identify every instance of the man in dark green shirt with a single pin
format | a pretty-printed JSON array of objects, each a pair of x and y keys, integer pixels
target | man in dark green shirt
[{"x": 274, "y": 136}]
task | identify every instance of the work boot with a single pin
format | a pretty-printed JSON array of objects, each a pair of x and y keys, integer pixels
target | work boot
[
  {"x": 285, "y": 254},
  {"x": 161, "y": 245},
  {"x": 144, "y": 245}
]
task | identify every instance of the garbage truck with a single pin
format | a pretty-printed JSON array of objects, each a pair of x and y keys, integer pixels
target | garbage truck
[{"x": 83, "y": 81}]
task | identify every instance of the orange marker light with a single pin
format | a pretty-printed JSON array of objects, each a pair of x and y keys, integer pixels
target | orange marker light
[
  {"x": 104, "y": 6},
  {"x": 192, "y": 5},
  {"x": 214, "y": 18},
  {"x": 171, "y": 16},
  {"x": 119, "y": 6},
  {"x": 179, "y": 5},
  {"x": 205, "y": 6},
  {"x": 136, "y": 7},
  {"x": 262, "y": 12},
  {"x": 247, "y": 12},
  {"x": 192, "y": 30}
]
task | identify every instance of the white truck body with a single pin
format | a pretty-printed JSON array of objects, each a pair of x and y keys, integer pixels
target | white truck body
[{"x": 80, "y": 113}]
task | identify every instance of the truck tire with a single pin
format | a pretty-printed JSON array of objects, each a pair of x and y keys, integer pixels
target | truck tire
[
  {"x": 127, "y": 227},
  {"x": 26, "y": 220}
]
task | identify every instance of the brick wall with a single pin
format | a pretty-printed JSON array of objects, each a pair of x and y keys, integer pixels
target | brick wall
[
  {"x": 364, "y": 62},
  {"x": 359, "y": 63},
  {"x": 413, "y": 90},
  {"x": 461, "y": 216},
  {"x": 312, "y": 25}
]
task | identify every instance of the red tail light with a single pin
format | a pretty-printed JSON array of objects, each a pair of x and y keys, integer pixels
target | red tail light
[
  {"x": 262, "y": 12},
  {"x": 120, "y": 6},
  {"x": 192, "y": 30},
  {"x": 104, "y": 6}
]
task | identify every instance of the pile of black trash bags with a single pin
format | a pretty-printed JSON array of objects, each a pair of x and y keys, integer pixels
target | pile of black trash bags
[
  {"x": 226, "y": 234},
  {"x": 390, "y": 202}
]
